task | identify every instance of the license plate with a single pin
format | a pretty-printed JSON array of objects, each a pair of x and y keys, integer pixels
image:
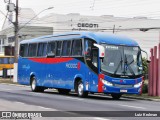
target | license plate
[{"x": 123, "y": 91}]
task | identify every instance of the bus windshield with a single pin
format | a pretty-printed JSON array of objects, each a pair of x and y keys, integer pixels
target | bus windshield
[{"x": 122, "y": 60}]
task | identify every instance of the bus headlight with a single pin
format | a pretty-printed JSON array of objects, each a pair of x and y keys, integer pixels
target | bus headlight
[
  {"x": 138, "y": 85},
  {"x": 106, "y": 82}
]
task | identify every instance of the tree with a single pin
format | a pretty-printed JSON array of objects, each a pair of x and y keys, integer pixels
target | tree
[{"x": 145, "y": 66}]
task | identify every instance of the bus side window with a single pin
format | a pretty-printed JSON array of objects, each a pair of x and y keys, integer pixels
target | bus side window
[
  {"x": 42, "y": 49},
  {"x": 6, "y": 60},
  {"x": 95, "y": 57},
  {"x": 77, "y": 48},
  {"x": 91, "y": 53},
  {"x": 59, "y": 46},
  {"x": 1, "y": 60},
  {"x": 32, "y": 50},
  {"x": 51, "y": 48},
  {"x": 11, "y": 60},
  {"x": 24, "y": 50},
  {"x": 66, "y": 48}
]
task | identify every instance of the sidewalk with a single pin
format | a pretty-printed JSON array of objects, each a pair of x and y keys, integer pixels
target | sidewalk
[
  {"x": 140, "y": 97},
  {"x": 7, "y": 80},
  {"x": 144, "y": 96}
]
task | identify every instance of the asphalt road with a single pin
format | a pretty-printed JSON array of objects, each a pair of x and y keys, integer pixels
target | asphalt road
[{"x": 20, "y": 98}]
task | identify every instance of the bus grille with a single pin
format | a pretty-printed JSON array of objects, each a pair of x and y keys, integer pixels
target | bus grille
[{"x": 123, "y": 86}]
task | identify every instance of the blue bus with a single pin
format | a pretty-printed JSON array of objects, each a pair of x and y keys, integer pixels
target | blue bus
[{"x": 87, "y": 62}]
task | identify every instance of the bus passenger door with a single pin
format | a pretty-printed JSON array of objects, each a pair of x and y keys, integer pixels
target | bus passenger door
[{"x": 91, "y": 56}]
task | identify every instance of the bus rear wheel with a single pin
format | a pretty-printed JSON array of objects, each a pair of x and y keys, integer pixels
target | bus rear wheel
[
  {"x": 64, "y": 91},
  {"x": 116, "y": 96},
  {"x": 80, "y": 90},
  {"x": 34, "y": 86}
]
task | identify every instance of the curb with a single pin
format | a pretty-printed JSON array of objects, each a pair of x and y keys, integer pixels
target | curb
[{"x": 142, "y": 98}]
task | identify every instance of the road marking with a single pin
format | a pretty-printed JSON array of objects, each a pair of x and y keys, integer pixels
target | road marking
[
  {"x": 41, "y": 107},
  {"x": 98, "y": 118},
  {"x": 74, "y": 98},
  {"x": 15, "y": 84},
  {"x": 133, "y": 106},
  {"x": 47, "y": 108},
  {"x": 5, "y": 89},
  {"x": 20, "y": 103}
]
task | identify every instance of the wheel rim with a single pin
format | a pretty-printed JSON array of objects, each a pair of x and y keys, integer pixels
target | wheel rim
[
  {"x": 33, "y": 84},
  {"x": 80, "y": 89}
]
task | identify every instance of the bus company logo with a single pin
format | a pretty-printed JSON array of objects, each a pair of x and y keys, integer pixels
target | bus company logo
[
  {"x": 73, "y": 65},
  {"x": 119, "y": 81},
  {"x": 6, "y": 115}
]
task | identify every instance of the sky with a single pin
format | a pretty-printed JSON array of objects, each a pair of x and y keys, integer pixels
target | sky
[{"x": 118, "y": 8}]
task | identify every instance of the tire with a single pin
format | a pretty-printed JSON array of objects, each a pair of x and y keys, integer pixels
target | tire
[
  {"x": 116, "y": 96},
  {"x": 64, "y": 91},
  {"x": 34, "y": 86},
  {"x": 80, "y": 90}
]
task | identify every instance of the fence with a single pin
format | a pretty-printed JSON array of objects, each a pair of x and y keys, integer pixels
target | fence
[{"x": 154, "y": 72}]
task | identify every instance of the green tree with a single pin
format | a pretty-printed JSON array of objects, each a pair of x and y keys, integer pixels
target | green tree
[
  {"x": 145, "y": 66},
  {"x": 145, "y": 71}
]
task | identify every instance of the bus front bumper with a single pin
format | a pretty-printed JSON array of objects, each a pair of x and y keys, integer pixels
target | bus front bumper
[{"x": 112, "y": 89}]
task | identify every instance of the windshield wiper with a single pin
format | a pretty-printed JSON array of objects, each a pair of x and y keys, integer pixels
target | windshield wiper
[
  {"x": 120, "y": 64},
  {"x": 128, "y": 65}
]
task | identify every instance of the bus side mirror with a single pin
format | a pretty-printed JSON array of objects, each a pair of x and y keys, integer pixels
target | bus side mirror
[
  {"x": 148, "y": 60},
  {"x": 50, "y": 55},
  {"x": 101, "y": 50}
]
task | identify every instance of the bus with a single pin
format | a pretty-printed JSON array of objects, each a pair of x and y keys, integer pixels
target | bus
[
  {"x": 84, "y": 62},
  {"x": 6, "y": 62}
]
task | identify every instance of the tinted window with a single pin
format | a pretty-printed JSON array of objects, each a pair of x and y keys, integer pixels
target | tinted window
[
  {"x": 42, "y": 49},
  {"x": 51, "y": 47},
  {"x": 11, "y": 60},
  {"x": 4, "y": 60},
  {"x": 58, "y": 51},
  {"x": 77, "y": 48},
  {"x": 66, "y": 48},
  {"x": 1, "y": 60},
  {"x": 32, "y": 50},
  {"x": 23, "y": 50},
  {"x": 88, "y": 46}
]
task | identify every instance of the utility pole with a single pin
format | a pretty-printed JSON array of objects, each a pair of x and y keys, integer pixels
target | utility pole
[
  {"x": 113, "y": 29},
  {"x": 16, "y": 29}
]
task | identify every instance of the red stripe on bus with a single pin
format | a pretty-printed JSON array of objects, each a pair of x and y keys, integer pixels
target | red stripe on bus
[
  {"x": 50, "y": 60},
  {"x": 100, "y": 84}
]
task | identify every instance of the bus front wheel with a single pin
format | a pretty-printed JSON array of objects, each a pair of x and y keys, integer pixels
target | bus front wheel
[
  {"x": 34, "y": 86},
  {"x": 116, "y": 96},
  {"x": 80, "y": 90}
]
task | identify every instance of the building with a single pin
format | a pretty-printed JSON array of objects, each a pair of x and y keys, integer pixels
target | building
[
  {"x": 26, "y": 31},
  {"x": 145, "y": 31}
]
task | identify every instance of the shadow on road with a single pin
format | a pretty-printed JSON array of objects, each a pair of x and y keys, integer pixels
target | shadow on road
[{"x": 90, "y": 96}]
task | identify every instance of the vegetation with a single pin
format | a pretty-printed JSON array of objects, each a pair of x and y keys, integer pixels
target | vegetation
[
  {"x": 145, "y": 66},
  {"x": 145, "y": 72}
]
